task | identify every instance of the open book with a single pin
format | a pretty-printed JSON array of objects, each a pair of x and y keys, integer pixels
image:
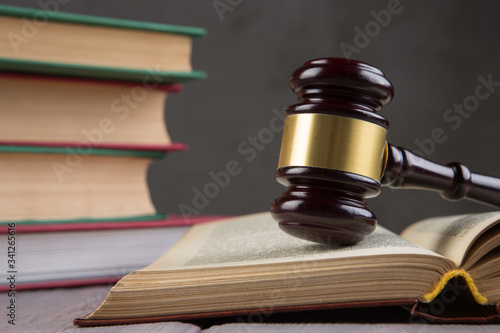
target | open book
[{"x": 246, "y": 264}]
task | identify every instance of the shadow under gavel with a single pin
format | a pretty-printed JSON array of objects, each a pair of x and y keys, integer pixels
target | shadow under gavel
[{"x": 334, "y": 154}]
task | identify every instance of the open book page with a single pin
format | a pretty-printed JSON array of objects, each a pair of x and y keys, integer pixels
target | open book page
[
  {"x": 451, "y": 236},
  {"x": 484, "y": 244},
  {"x": 257, "y": 239}
]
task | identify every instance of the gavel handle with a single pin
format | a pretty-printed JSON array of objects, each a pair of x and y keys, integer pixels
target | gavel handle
[{"x": 454, "y": 181}]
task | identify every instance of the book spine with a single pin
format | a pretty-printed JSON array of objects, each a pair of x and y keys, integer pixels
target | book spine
[{"x": 478, "y": 297}]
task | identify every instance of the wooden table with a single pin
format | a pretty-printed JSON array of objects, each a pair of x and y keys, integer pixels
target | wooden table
[{"x": 53, "y": 310}]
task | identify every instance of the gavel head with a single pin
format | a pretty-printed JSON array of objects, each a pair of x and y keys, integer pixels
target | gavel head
[{"x": 333, "y": 151}]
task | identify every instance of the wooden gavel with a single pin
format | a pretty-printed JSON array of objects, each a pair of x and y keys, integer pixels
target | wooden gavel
[{"x": 334, "y": 154}]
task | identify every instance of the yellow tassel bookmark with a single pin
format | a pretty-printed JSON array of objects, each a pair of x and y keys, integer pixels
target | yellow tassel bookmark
[{"x": 450, "y": 275}]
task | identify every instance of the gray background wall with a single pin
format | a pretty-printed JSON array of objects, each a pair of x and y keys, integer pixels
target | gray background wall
[{"x": 433, "y": 52}]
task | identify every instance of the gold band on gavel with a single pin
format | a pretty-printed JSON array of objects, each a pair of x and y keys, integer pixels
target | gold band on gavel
[{"x": 334, "y": 142}]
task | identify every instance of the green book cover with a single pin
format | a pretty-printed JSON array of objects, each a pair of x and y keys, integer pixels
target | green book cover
[
  {"x": 139, "y": 218},
  {"x": 57, "y": 16},
  {"x": 82, "y": 151},
  {"x": 95, "y": 72},
  {"x": 23, "y": 65}
]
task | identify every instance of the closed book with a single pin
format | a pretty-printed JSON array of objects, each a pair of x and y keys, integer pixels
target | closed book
[
  {"x": 54, "y": 111},
  {"x": 76, "y": 253},
  {"x": 57, "y": 43},
  {"x": 68, "y": 183}
]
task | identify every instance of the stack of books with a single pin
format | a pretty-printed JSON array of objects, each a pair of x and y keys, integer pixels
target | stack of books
[{"x": 81, "y": 120}]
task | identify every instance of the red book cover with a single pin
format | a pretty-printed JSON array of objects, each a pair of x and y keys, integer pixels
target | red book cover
[
  {"x": 56, "y": 255},
  {"x": 97, "y": 224},
  {"x": 171, "y": 88},
  {"x": 172, "y": 147}
]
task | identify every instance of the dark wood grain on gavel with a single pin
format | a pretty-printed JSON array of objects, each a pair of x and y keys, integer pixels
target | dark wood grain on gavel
[
  {"x": 454, "y": 181},
  {"x": 327, "y": 205}
]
